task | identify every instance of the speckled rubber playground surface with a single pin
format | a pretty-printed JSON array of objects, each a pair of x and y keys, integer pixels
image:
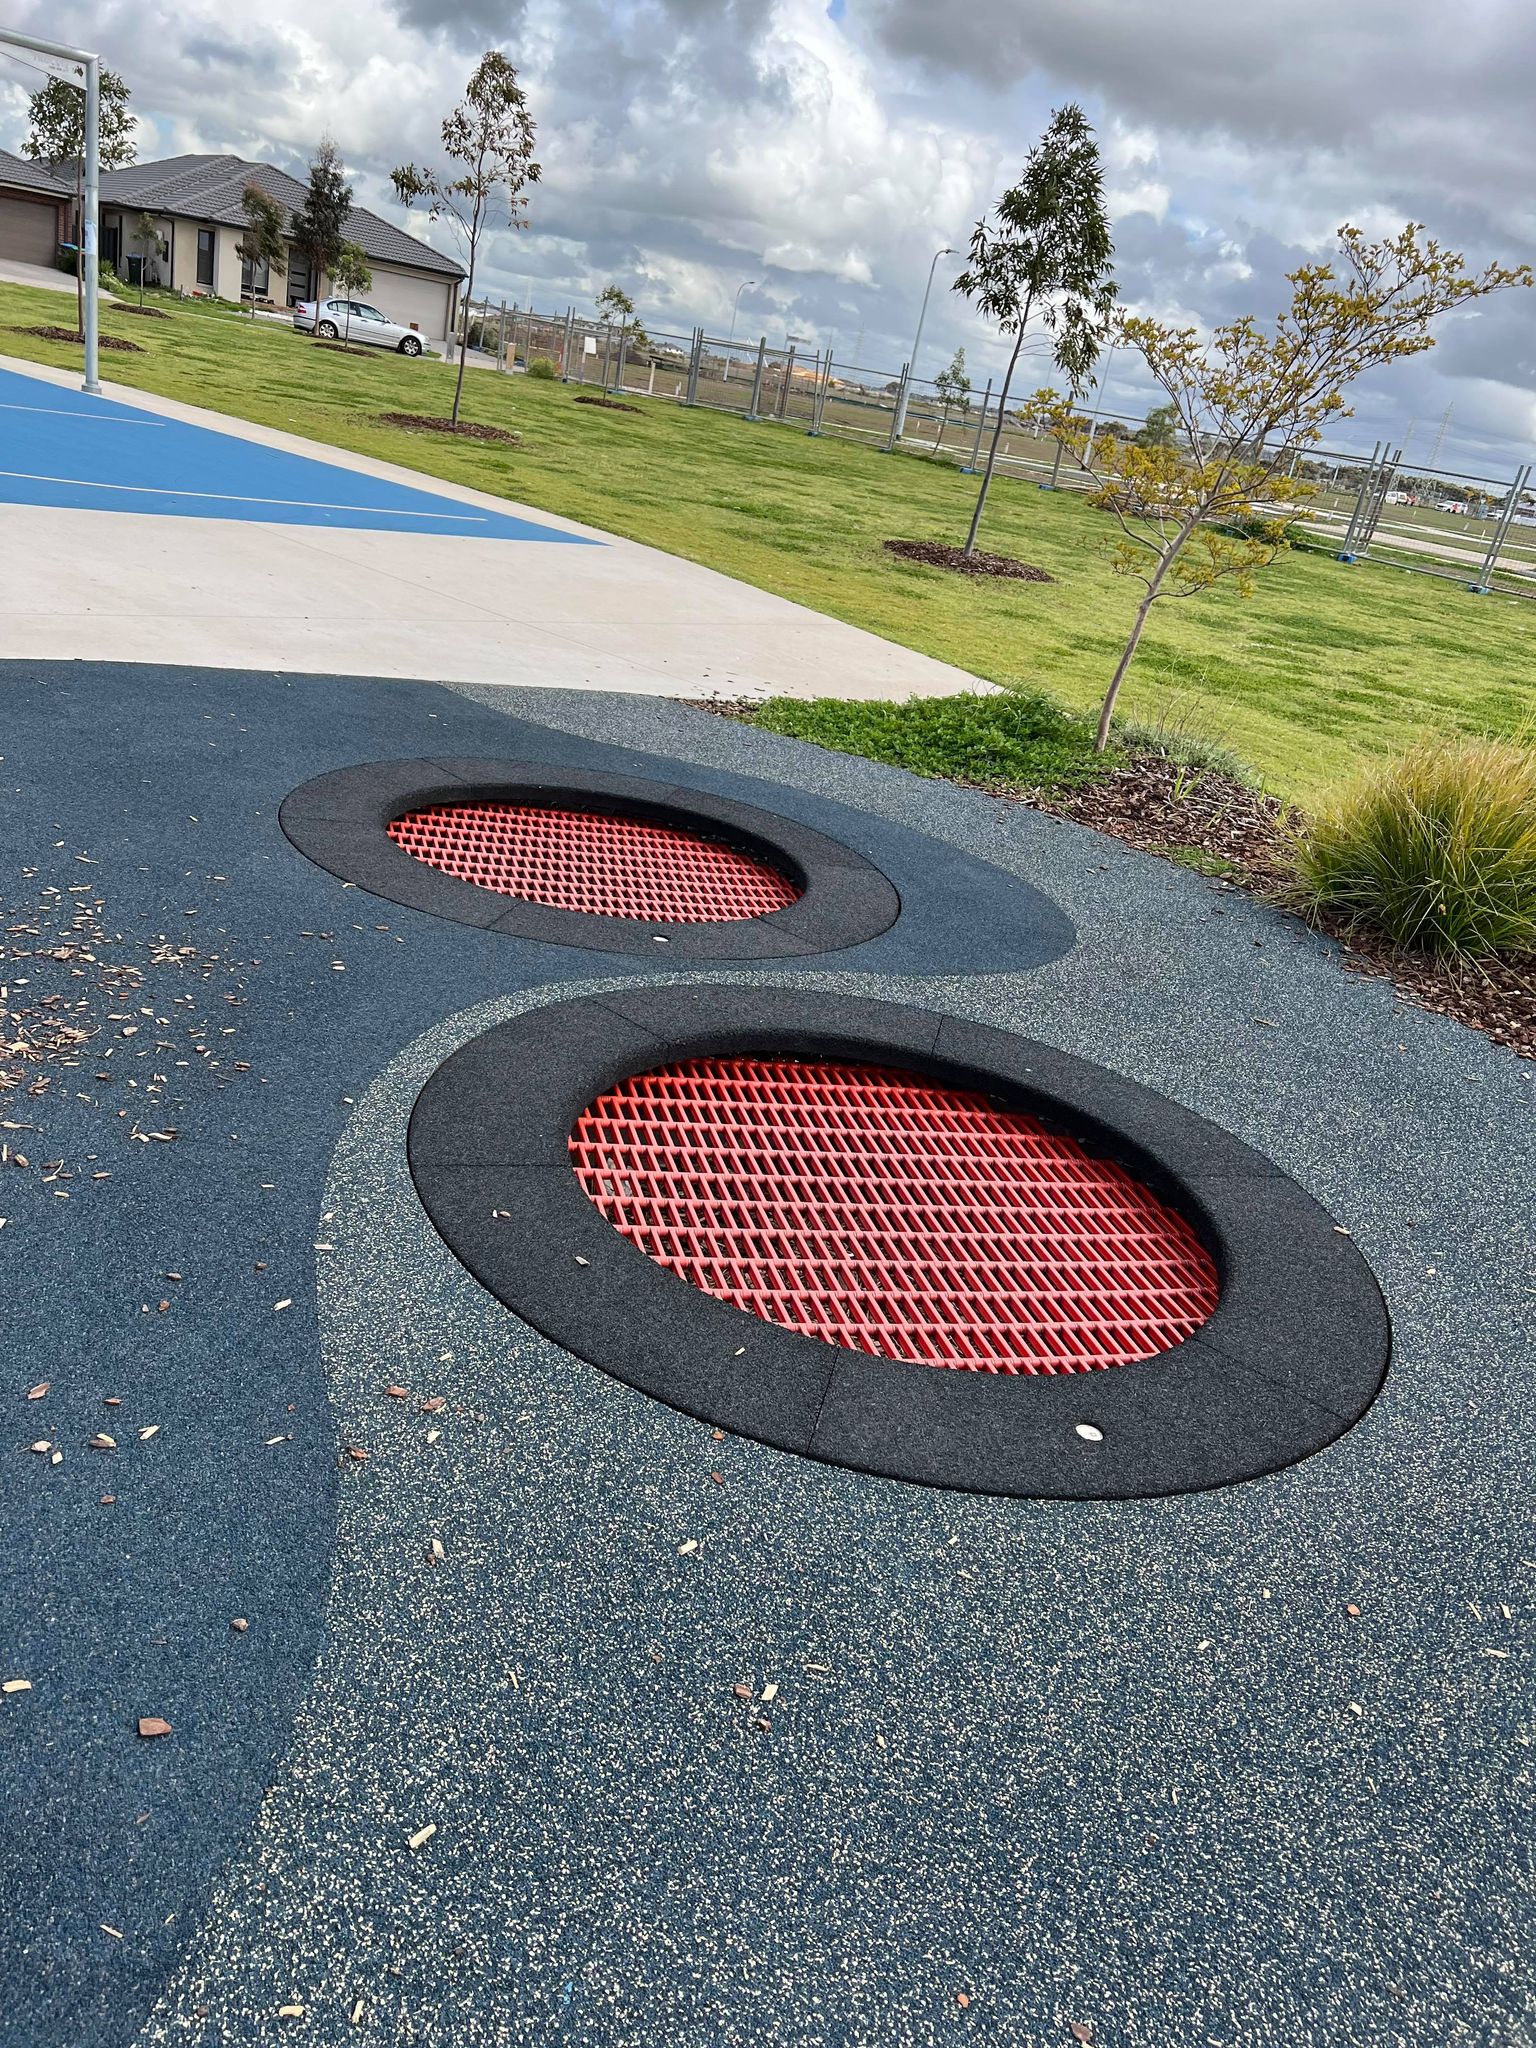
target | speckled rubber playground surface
[{"x": 556, "y": 1715}]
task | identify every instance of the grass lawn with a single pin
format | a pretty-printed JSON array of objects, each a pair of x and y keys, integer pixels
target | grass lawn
[{"x": 1324, "y": 662}]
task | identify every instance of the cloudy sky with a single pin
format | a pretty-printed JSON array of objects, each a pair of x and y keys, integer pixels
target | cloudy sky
[{"x": 821, "y": 153}]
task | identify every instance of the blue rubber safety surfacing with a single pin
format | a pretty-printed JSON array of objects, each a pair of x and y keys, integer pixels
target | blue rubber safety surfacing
[{"x": 60, "y": 447}]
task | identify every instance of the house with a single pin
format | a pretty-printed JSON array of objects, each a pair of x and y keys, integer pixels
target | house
[
  {"x": 34, "y": 211},
  {"x": 195, "y": 203}
]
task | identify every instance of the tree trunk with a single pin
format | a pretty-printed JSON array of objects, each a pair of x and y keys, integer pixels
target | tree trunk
[
  {"x": 997, "y": 435},
  {"x": 469, "y": 300},
  {"x": 1128, "y": 652},
  {"x": 943, "y": 423}
]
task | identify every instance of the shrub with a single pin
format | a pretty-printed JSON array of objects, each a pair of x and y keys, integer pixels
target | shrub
[
  {"x": 541, "y": 368},
  {"x": 1434, "y": 850}
]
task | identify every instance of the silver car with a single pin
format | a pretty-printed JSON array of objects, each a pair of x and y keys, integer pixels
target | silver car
[{"x": 353, "y": 320}]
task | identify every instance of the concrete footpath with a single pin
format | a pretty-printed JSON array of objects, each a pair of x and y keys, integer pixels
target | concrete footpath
[{"x": 98, "y": 562}]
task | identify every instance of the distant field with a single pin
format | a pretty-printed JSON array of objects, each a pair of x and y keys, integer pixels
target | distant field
[{"x": 1322, "y": 664}]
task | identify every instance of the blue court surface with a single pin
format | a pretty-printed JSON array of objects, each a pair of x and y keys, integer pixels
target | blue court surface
[{"x": 59, "y": 447}]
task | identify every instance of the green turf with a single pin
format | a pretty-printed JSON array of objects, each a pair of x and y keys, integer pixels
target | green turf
[{"x": 1322, "y": 664}]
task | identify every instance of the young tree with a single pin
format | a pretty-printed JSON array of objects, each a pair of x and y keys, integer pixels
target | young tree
[
  {"x": 1048, "y": 254},
  {"x": 615, "y": 304},
  {"x": 490, "y": 135},
  {"x": 350, "y": 272},
  {"x": 1248, "y": 400},
  {"x": 146, "y": 232},
  {"x": 954, "y": 389},
  {"x": 318, "y": 228},
  {"x": 56, "y": 135},
  {"x": 262, "y": 242},
  {"x": 1160, "y": 429}
]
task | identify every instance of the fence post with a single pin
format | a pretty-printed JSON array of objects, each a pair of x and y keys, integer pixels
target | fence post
[
  {"x": 1484, "y": 584},
  {"x": 501, "y": 340},
  {"x": 1347, "y": 550},
  {"x": 969, "y": 468},
  {"x": 818, "y": 403},
  {"x": 618, "y": 375},
  {"x": 694, "y": 354},
  {"x": 757, "y": 378},
  {"x": 565, "y": 344},
  {"x": 900, "y": 412},
  {"x": 789, "y": 378},
  {"x": 1388, "y": 473}
]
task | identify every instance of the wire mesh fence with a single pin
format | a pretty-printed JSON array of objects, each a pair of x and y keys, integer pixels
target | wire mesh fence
[{"x": 1479, "y": 531}]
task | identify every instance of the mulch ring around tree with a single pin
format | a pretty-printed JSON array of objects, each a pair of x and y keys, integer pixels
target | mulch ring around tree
[
  {"x": 340, "y": 348},
  {"x": 609, "y": 404},
  {"x": 107, "y": 341},
  {"x": 141, "y": 312},
  {"x": 1236, "y": 834},
  {"x": 936, "y": 554},
  {"x": 467, "y": 430}
]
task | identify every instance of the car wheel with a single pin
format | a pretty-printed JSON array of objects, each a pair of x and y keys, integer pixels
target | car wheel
[
  {"x": 411, "y": 346},
  {"x": 327, "y": 330}
]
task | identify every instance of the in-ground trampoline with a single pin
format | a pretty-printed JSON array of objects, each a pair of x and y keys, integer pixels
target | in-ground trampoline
[{"x": 898, "y": 1242}]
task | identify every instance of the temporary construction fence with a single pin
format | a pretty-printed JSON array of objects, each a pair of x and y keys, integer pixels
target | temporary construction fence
[{"x": 1476, "y": 530}]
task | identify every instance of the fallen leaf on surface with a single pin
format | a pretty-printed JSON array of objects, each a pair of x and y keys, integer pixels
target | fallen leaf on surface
[
  {"x": 42, "y": 1445},
  {"x": 742, "y": 1692},
  {"x": 286, "y": 1302},
  {"x": 115, "y": 1932},
  {"x": 687, "y": 1549},
  {"x": 102, "y": 1442},
  {"x": 36, "y": 1393},
  {"x": 290, "y": 2012},
  {"x": 240, "y": 1624},
  {"x": 423, "y": 1835},
  {"x": 146, "y": 1434},
  {"x": 353, "y": 1451},
  {"x": 16, "y": 1685},
  {"x": 433, "y": 1405},
  {"x": 356, "y": 2015},
  {"x": 962, "y": 1999},
  {"x": 770, "y": 1693},
  {"x": 398, "y": 1393},
  {"x": 436, "y": 1551},
  {"x": 151, "y": 1724},
  {"x": 1082, "y": 2031},
  {"x": 433, "y": 1435}
]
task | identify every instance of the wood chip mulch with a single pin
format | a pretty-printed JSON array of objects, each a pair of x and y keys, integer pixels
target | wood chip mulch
[
  {"x": 609, "y": 404},
  {"x": 938, "y": 555},
  {"x": 107, "y": 341},
  {"x": 1155, "y": 805},
  {"x": 340, "y": 348},
  {"x": 1237, "y": 834},
  {"x": 467, "y": 430},
  {"x": 141, "y": 312}
]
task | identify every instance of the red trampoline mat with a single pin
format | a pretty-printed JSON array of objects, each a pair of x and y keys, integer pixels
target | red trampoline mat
[
  {"x": 885, "y": 1212},
  {"x": 594, "y": 861}
]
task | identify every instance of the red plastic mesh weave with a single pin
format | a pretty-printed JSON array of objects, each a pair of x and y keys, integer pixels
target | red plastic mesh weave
[
  {"x": 593, "y": 861},
  {"x": 884, "y": 1212}
]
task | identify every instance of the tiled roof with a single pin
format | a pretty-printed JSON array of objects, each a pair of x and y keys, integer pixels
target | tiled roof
[
  {"x": 30, "y": 177},
  {"x": 210, "y": 188}
]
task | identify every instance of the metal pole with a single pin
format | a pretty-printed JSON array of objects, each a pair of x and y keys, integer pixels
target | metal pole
[
  {"x": 89, "y": 65},
  {"x": 618, "y": 375},
  {"x": 901, "y": 406},
  {"x": 757, "y": 378},
  {"x": 1484, "y": 583},
  {"x": 818, "y": 404},
  {"x": 565, "y": 343},
  {"x": 917, "y": 341},
  {"x": 1055, "y": 470},
  {"x": 789, "y": 378},
  {"x": 501, "y": 341},
  {"x": 694, "y": 354},
  {"x": 969, "y": 468},
  {"x": 1346, "y": 546}
]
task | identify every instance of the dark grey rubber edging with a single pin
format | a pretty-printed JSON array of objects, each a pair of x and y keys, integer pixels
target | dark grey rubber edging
[
  {"x": 1293, "y": 1356},
  {"x": 339, "y": 820}
]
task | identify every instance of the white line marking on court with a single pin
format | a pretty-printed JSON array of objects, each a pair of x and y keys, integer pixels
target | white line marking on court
[
  {"x": 80, "y": 483},
  {"x": 97, "y": 419}
]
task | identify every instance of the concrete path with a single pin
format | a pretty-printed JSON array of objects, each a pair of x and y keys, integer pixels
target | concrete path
[{"x": 287, "y": 569}]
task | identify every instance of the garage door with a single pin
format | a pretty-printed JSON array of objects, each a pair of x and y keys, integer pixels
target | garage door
[{"x": 29, "y": 229}]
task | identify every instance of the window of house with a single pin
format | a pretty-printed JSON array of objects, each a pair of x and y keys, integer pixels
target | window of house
[
  {"x": 254, "y": 279},
  {"x": 205, "y": 257}
]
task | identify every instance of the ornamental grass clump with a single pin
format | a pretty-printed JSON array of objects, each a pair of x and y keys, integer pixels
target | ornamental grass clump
[{"x": 1435, "y": 850}]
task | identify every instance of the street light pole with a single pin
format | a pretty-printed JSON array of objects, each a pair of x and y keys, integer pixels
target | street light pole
[
  {"x": 86, "y": 62},
  {"x": 746, "y": 285},
  {"x": 917, "y": 342}
]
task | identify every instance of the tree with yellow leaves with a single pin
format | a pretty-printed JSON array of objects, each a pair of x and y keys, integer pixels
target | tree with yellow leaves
[{"x": 1246, "y": 402}]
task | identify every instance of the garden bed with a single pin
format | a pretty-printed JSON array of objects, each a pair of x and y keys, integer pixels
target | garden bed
[
  {"x": 937, "y": 554},
  {"x": 72, "y": 334},
  {"x": 465, "y": 430},
  {"x": 608, "y": 404}
]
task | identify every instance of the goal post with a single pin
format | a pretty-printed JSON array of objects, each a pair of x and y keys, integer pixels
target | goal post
[{"x": 86, "y": 66}]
